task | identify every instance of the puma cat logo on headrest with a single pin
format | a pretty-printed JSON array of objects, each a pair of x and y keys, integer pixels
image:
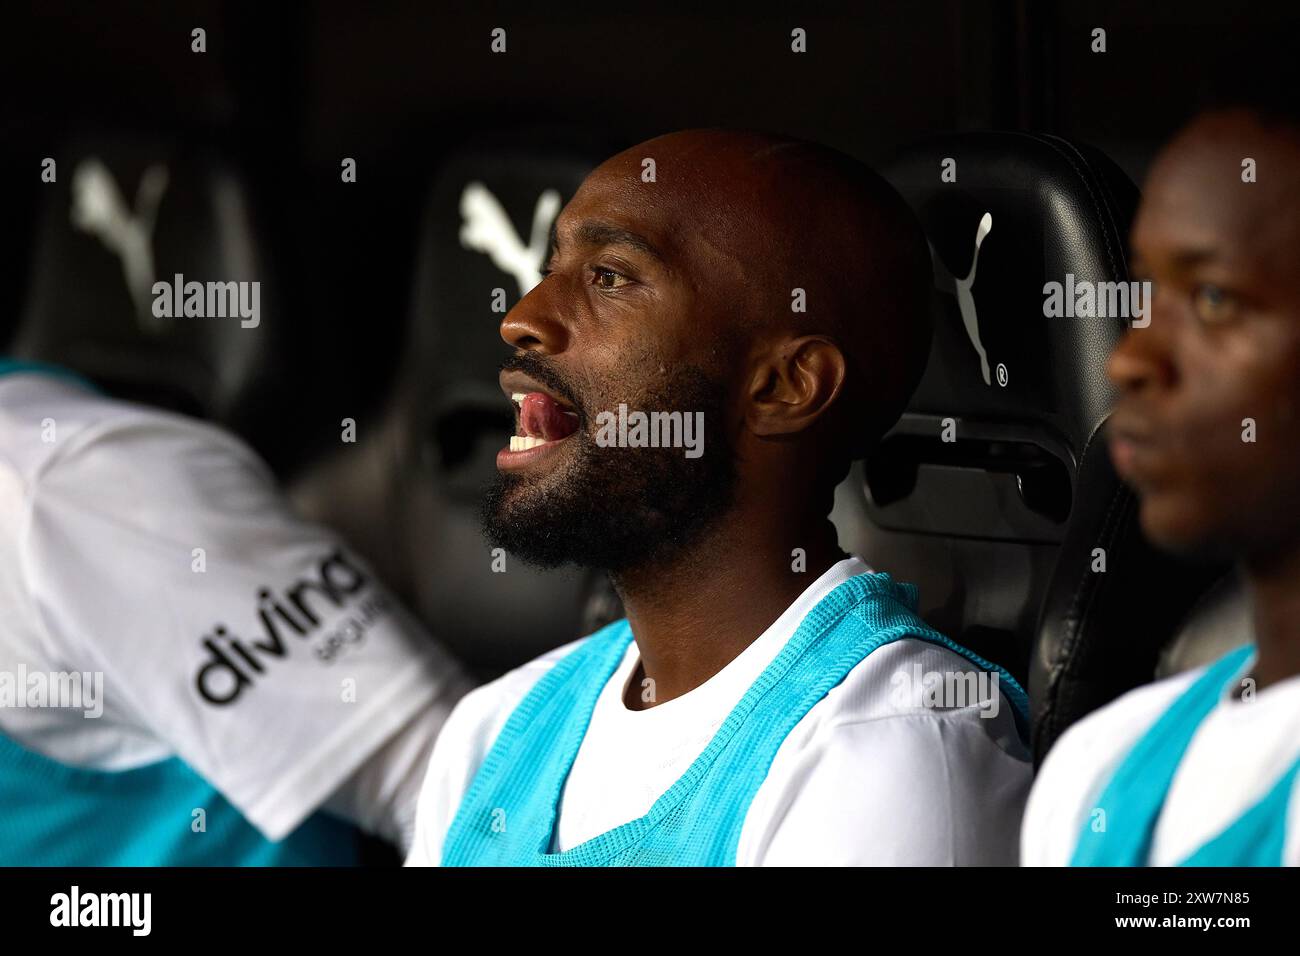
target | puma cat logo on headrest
[
  {"x": 488, "y": 229},
  {"x": 99, "y": 208},
  {"x": 960, "y": 288}
]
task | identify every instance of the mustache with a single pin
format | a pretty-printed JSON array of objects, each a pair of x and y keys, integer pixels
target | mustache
[{"x": 537, "y": 368}]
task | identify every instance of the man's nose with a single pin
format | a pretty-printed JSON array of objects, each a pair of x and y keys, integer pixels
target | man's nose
[
  {"x": 534, "y": 325},
  {"x": 1142, "y": 359}
]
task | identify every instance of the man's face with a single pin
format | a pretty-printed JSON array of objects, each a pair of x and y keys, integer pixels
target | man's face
[
  {"x": 633, "y": 310},
  {"x": 1219, "y": 363}
]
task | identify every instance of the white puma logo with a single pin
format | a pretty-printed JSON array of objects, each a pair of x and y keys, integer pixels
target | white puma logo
[
  {"x": 488, "y": 229},
  {"x": 99, "y": 209},
  {"x": 946, "y": 282}
]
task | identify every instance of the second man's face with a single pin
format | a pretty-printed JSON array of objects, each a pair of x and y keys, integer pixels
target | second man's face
[{"x": 1207, "y": 427}]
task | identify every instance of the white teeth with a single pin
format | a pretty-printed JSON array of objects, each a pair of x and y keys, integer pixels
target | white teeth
[
  {"x": 525, "y": 442},
  {"x": 518, "y": 399}
]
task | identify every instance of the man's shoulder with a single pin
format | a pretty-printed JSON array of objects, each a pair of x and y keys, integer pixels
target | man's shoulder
[
  {"x": 464, "y": 742},
  {"x": 915, "y": 677},
  {"x": 918, "y": 712},
  {"x": 482, "y": 712},
  {"x": 1114, "y": 727},
  {"x": 1081, "y": 762},
  {"x": 886, "y": 743}
]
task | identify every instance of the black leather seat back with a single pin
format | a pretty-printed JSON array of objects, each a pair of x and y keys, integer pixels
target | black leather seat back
[
  {"x": 1102, "y": 633},
  {"x": 972, "y": 493},
  {"x": 1025, "y": 544},
  {"x": 485, "y": 228},
  {"x": 1218, "y": 622},
  {"x": 456, "y": 418},
  {"x": 123, "y": 214}
]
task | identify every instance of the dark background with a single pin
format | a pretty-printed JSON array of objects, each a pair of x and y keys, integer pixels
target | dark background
[
  {"x": 291, "y": 88},
  {"x": 286, "y": 91}
]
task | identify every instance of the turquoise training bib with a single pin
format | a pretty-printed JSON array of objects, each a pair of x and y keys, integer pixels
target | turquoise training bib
[
  {"x": 53, "y": 814},
  {"x": 10, "y": 366},
  {"x": 509, "y": 811},
  {"x": 1135, "y": 795}
]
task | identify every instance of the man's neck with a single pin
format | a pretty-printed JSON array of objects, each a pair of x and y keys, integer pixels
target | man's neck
[
  {"x": 693, "y": 616},
  {"x": 1274, "y": 586}
]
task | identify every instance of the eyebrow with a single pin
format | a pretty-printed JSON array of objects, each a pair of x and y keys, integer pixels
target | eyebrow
[
  {"x": 596, "y": 233},
  {"x": 1186, "y": 258},
  {"x": 1181, "y": 259}
]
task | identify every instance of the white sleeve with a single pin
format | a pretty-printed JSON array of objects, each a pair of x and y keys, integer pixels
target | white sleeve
[
  {"x": 1080, "y": 764},
  {"x": 382, "y": 794},
  {"x": 1054, "y": 816},
  {"x": 252, "y": 643},
  {"x": 906, "y": 790},
  {"x": 457, "y": 754},
  {"x": 468, "y": 735}
]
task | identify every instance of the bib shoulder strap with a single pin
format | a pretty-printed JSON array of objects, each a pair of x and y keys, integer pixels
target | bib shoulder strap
[
  {"x": 1258, "y": 836},
  {"x": 524, "y": 771},
  {"x": 11, "y": 366},
  {"x": 1135, "y": 795}
]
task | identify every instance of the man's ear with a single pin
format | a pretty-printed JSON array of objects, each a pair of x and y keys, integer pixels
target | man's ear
[{"x": 793, "y": 384}]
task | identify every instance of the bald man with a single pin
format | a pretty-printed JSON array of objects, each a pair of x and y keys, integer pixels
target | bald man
[
  {"x": 769, "y": 699},
  {"x": 1201, "y": 769}
]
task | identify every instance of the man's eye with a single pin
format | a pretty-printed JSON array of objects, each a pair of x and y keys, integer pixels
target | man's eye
[
  {"x": 607, "y": 279},
  {"x": 1213, "y": 305}
]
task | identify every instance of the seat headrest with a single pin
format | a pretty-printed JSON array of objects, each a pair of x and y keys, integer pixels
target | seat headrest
[
  {"x": 971, "y": 494},
  {"x": 1005, "y": 214},
  {"x": 123, "y": 214},
  {"x": 1021, "y": 210},
  {"x": 1217, "y": 623},
  {"x": 1113, "y": 603},
  {"x": 484, "y": 238},
  {"x": 485, "y": 227}
]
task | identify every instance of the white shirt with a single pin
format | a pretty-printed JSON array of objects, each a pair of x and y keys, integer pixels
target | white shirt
[
  {"x": 1238, "y": 754},
  {"x": 864, "y": 778},
  {"x": 127, "y": 537}
]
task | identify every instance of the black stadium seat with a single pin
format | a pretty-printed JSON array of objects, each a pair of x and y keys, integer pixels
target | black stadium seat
[
  {"x": 995, "y": 488},
  {"x": 1218, "y": 621},
  {"x": 997, "y": 526},
  {"x": 125, "y": 212},
  {"x": 411, "y": 499}
]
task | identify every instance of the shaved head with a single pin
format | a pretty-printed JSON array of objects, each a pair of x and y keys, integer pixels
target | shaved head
[
  {"x": 778, "y": 288},
  {"x": 776, "y": 214}
]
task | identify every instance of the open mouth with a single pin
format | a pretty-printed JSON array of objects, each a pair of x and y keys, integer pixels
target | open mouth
[{"x": 542, "y": 419}]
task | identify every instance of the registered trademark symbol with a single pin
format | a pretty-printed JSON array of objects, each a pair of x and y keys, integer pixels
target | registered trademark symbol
[{"x": 1002, "y": 375}]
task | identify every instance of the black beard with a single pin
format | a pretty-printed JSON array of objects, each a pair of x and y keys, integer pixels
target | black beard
[{"x": 614, "y": 509}]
